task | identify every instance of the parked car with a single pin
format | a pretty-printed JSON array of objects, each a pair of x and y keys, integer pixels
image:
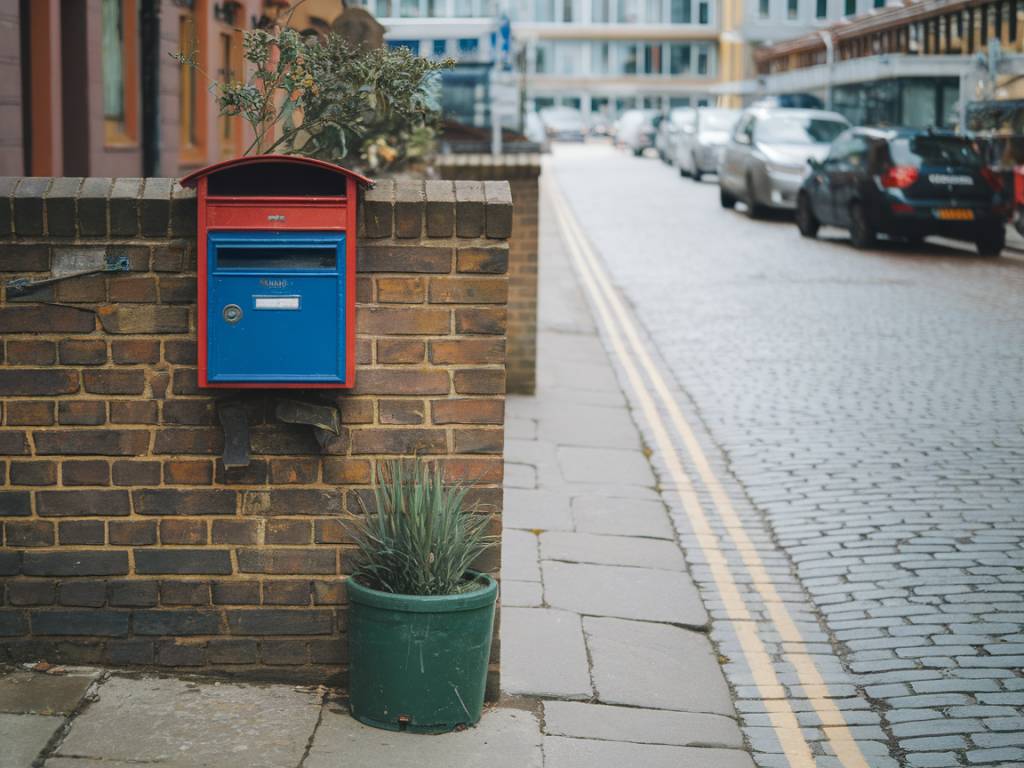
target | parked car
[
  {"x": 766, "y": 158},
  {"x": 699, "y": 150},
  {"x": 533, "y": 129},
  {"x": 563, "y": 123},
  {"x": 635, "y": 130},
  {"x": 678, "y": 120},
  {"x": 908, "y": 183}
]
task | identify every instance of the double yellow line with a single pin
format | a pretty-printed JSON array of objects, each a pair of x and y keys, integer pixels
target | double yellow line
[{"x": 652, "y": 392}]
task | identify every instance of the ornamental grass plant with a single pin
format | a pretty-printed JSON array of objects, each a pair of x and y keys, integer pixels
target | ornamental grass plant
[{"x": 421, "y": 539}]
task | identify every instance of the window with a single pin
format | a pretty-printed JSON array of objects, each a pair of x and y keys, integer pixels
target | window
[
  {"x": 764, "y": 8},
  {"x": 702, "y": 12},
  {"x": 678, "y": 58},
  {"x": 544, "y": 10},
  {"x": 791, "y": 9},
  {"x": 440, "y": 48},
  {"x": 821, "y": 9},
  {"x": 409, "y": 9},
  {"x": 437, "y": 8},
  {"x": 468, "y": 45},
  {"x": 629, "y": 11},
  {"x": 702, "y": 60},
  {"x": 879, "y": 3},
  {"x": 567, "y": 7},
  {"x": 382, "y": 8},
  {"x": 193, "y": 105},
  {"x": 653, "y": 12},
  {"x": 230, "y": 72},
  {"x": 120, "y": 73},
  {"x": 850, "y": 7},
  {"x": 680, "y": 11},
  {"x": 652, "y": 59},
  {"x": 600, "y": 10}
]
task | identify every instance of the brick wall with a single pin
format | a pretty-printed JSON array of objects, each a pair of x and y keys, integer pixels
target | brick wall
[
  {"x": 125, "y": 539},
  {"x": 522, "y": 172}
]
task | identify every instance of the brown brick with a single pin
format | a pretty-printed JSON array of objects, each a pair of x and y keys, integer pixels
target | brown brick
[
  {"x": 78, "y": 532},
  {"x": 89, "y": 593},
  {"x": 399, "y": 441},
  {"x": 483, "y": 260},
  {"x": 136, "y": 472},
  {"x": 180, "y": 653},
  {"x": 181, "y": 502},
  {"x": 355, "y": 410},
  {"x": 401, "y": 290},
  {"x": 391, "y": 381},
  {"x": 132, "y": 533},
  {"x": 30, "y": 413},
  {"x": 189, "y": 412},
  {"x": 83, "y": 352},
  {"x": 30, "y": 533},
  {"x": 329, "y": 592},
  {"x": 24, "y": 258},
  {"x": 284, "y": 652},
  {"x": 467, "y": 411},
  {"x": 31, "y": 352},
  {"x": 85, "y": 472},
  {"x": 254, "y": 474},
  {"x": 133, "y": 412},
  {"x": 225, "y": 651},
  {"x": 82, "y": 503},
  {"x": 391, "y": 351},
  {"x": 404, "y": 258},
  {"x": 479, "y": 440},
  {"x": 294, "y": 471},
  {"x": 46, "y": 319},
  {"x": 33, "y": 473},
  {"x": 168, "y": 258},
  {"x": 183, "y": 531},
  {"x": 291, "y": 501},
  {"x": 177, "y": 290},
  {"x": 82, "y": 412},
  {"x": 184, "y": 592},
  {"x": 143, "y": 318},
  {"x": 32, "y": 592},
  {"x": 180, "y": 352},
  {"x": 330, "y": 531},
  {"x": 13, "y": 443},
  {"x": 14, "y": 504},
  {"x": 409, "y": 208},
  {"x": 182, "y": 561},
  {"x": 91, "y": 290},
  {"x": 481, "y": 320},
  {"x": 474, "y": 471},
  {"x": 158, "y": 383},
  {"x": 236, "y": 532},
  {"x": 378, "y": 209},
  {"x": 284, "y": 439},
  {"x": 464, "y": 290},
  {"x": 440, "y": 211},
  {"x": 345, "y": 471},
  {"x": 132, "y": 290},
  {"x": 364, "y": 290},
  {"x": 403, "y": 321},
  {"x": 129, "y": 351},
  {"x": 189, "y": 441},
  {"x": 480, "y": 381},
  {"x": 467, "y": 351},
  {"x": 286, "y": 531},
  {"x": 402, "y": 411},
  {"x": 108, "y": 382},
  {"x": 75, "y": 563},
  {"x": 287, "y": 561},
  {"x": 469, "y": 208},
  {"x": 286, "y": 592},
  {"x": 37, "y": 382},
  {"x": 96, "y": 442},
  {"x": 188, "y": 472},
  {"x": 236, "y": 592}
]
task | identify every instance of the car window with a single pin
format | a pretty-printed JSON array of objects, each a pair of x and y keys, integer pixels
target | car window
[
  {"x": 717, "y": 120},
  {"x": 934, "y": 150},
  {"x": 794, "y": 129}
]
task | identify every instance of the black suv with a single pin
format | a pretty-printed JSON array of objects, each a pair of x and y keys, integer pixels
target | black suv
[{"x": 907, "y": 183}]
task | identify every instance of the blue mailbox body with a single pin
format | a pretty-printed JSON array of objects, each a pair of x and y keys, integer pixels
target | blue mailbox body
[{"x": 276, "y": 272}]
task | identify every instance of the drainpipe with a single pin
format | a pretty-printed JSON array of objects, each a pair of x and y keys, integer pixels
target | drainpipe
[
  {"x": 149, "y": 38},
  {"x": 830, "y": 60}
]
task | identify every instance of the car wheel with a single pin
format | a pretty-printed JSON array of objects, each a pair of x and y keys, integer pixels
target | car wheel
[
  {"x": 754, "y": 209},
  {"x": 806, "y": 221},
  {"x": 638, "y": 151},
  {"x": 696, "y": 175},
  {"x": 682, "y": 171},
  {"x": 727, "y": 200},
  {"x": 990, "y": 242},
  {"x": 861, "y": 233}
]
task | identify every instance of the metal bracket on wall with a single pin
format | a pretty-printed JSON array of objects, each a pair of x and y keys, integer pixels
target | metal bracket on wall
[
  {"x": 23, "y": 285},
  {"x": 324, "y": 419},
  {"x": 234, "y": 420}
]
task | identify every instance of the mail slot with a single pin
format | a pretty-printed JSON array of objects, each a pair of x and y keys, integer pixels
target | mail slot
[{"x": 276, "y": 272}]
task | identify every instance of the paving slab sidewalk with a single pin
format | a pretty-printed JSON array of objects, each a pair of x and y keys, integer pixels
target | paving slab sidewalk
[
  {"x": 601, "y": 621},
  {"x": 606, "y": 659}
]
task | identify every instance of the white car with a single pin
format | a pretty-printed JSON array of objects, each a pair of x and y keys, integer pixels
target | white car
[
  {"x": 635, "y": 130},
  {"x": 563, "y": 123}
]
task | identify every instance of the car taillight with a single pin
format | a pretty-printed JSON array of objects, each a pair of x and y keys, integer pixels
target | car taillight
[
  {"x": 992, "y": 179},
  {"x": 899, "y": 176}
]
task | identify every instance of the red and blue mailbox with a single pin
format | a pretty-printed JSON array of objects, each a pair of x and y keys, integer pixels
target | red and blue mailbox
[{"x": 276, "y": 272}]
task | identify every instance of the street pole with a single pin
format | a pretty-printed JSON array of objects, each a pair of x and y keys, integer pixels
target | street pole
[{"x": 830, "y": 60}]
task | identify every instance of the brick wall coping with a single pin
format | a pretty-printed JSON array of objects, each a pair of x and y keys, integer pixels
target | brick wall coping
[
  {"x": 506, "y": 166},
  {"x": 160, "y": 207}
]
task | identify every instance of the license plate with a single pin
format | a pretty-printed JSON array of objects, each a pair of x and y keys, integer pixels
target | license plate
[{"x": 954, "y": 214}]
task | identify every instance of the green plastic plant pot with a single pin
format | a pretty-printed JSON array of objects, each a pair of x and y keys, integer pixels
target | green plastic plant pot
[{"x": 419, "y": 663}]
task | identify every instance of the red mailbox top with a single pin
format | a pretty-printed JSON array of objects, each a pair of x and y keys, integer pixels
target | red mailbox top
[{"x": 280, "y": 192}]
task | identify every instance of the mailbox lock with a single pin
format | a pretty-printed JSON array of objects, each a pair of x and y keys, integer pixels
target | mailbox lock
[{"x": 232, "y": 313}]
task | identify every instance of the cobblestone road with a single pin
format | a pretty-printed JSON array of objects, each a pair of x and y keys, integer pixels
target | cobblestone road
[{"x": 867, "y": 408}]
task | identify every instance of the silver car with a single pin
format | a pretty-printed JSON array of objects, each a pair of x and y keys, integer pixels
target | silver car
[
  {"x": 679, "y": 119},
  {"x": 699, "y": 146},
  {"x": 765, "y": 161}
]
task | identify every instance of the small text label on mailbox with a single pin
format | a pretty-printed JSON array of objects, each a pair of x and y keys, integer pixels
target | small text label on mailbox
[
  {"x": 276, "y": 217},
  {"x": 275, "y": 302}
]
